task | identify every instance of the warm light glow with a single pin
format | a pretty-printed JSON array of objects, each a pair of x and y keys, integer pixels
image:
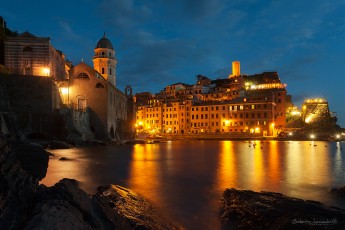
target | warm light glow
[
  {"x": 140, "y": 123},
  {"x": 64, "y": 90},
  {"x": 295, "y": 113},
  {"x": 309, "y": 118},
  {"x": 312, "y": 136},
  {"x": 268, "y": 86},
  {"x": 46, "y": 71},
  {"x": 290, "y": 134},
  {"x": 314, "y": 100},
  {"x": 227, "y": 122},
  {"x": 257, "y": 130},
  {"x": 337, "y": 136}
]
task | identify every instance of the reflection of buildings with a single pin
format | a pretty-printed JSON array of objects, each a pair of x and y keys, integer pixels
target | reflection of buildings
[
  {"x": 239, "y": 104},
  {"x": 87, "y": 96}
]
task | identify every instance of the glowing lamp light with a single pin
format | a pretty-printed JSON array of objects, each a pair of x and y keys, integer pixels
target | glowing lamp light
[
  {"x": 46, "y": 71},
  {"x": 312, "y": 136},
  {"x": 337, "y": 136},
  {"x": 64, "y": 90},
  {"x": 290, "y": 133},
  {"x": 227, "y": 122},
  {"x": 140, "y": 123},
  {"x": 257, "y": 130}
]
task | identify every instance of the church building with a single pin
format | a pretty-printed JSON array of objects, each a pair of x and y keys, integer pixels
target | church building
[
  {"x": 87, "y": 97},
  {"x": 94, "y": 90}
]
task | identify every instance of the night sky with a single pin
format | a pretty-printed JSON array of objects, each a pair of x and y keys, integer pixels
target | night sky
[{"x": 161, "y": 42}]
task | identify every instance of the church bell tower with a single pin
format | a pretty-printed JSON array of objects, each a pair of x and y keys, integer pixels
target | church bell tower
[{"x": 104, "y": 60}]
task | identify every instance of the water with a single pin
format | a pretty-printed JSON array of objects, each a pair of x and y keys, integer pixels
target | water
[{"x": 185, "y": 179}]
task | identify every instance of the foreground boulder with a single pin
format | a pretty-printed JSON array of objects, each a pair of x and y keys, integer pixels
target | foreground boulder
[
  {"x": 24, "y": 204},
  {"x": 244, "y": 209},
  {"x": 130, "y": 210},
  {"x": 17, "y": 189}
]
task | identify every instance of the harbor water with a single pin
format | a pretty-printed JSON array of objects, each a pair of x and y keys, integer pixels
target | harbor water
[{"x": 185, "y": 180}]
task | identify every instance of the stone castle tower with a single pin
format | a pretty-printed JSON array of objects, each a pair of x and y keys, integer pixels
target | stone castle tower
[
  {"x": 104, "y": 60},
  {"x": 236, "y": 69}
]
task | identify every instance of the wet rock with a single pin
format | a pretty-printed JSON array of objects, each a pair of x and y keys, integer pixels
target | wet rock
[
  {"x": 130, "y": 210},
  {"x": 244, "y": 209}
]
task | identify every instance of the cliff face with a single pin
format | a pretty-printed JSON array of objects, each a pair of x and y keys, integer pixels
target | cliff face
[{"x": 24, "y": 204}]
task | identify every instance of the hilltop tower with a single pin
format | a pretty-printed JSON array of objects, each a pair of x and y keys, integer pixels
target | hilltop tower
[
  {"x": 236, "y": 69},
  {"x": 104, "y": 60}
]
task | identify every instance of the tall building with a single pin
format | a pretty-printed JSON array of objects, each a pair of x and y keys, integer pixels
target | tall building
[{"x": 27, "y": 54}]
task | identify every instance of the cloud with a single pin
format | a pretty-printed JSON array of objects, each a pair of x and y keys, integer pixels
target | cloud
[{"x": 123, "y": 14}]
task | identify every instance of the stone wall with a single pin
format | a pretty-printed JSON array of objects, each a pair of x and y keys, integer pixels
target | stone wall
[{"x": 31, "y": 102}]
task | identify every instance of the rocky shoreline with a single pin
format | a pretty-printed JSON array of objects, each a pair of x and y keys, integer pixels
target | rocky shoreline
[
  {"x": 245, "y": 209},
  {"x": 24, "y": 204}
]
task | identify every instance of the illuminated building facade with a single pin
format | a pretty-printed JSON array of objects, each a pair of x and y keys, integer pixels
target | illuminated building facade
[
  {"x": 240, "y": 104},
  {"x": 93, "y": 89},
  {"x": 27, "y": 54},
  {"x": 315, "y": 109}
]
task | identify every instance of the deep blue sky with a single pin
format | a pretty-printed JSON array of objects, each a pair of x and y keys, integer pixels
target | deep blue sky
[{"x": 161, "y": 42}]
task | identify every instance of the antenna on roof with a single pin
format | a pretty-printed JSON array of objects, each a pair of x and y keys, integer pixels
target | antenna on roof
[{"x": 104, "y": 35}]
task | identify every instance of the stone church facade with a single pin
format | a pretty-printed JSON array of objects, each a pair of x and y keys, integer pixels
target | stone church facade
[{"x": 94, "y": 90}]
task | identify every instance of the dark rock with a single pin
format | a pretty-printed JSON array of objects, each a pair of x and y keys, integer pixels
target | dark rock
[
  {"x": 338, "y": 191},
  {"x": 58, "y": 145},
  {"x": 17, "y": 189},
  {"x": 244, "y": 209},
  {"x": 129, "y": 210},
  {"x": 65, "y": 159},
  {"x": 33, "y": 158},
  {"x": 65, "y": 206}
]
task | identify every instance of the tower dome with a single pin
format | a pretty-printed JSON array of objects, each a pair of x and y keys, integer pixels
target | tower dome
[{"x": 104, "y": 43}]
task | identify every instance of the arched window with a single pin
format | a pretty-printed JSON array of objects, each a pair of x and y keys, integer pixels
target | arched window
[
  {"x": 99, "y": 85},
  {"x": 83, "y": 76},
  {"x": 109, "y": 71},
  {"x": 102, "y": 70}
]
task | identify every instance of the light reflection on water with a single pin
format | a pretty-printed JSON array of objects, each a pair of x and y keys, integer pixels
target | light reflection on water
[{"x": 185, "y": 179}]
